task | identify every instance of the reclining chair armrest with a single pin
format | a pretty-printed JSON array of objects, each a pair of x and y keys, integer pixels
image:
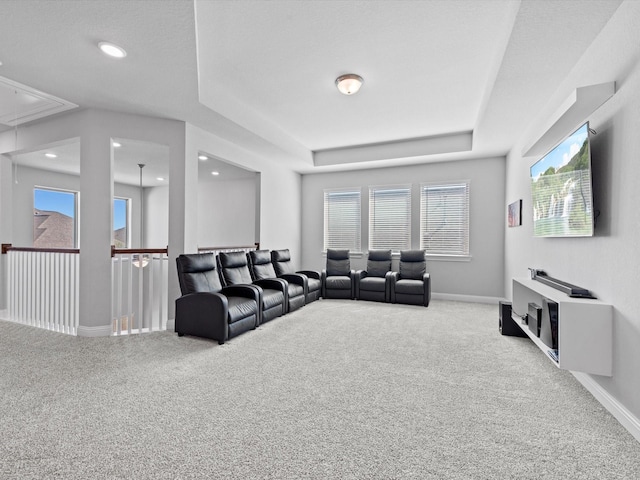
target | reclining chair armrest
[
  {"x": 360, "y": 274},
  {"x": 352, "y": 275},
  {"x": 393, "y": 278},
  {"x": 310, "y": 274},
  {"x": 297, "y": 278},
  {"x": 203, "y": 313},
  {"x": 272, "y": 283},
  {"x": 246, "y": 291},
  {"x": 253, "y": 292},
  {"x": 323, "y": 285},
  {"x": 279, "y": 284},
  {"x": 426, "y": 278},
  {"x": 389, "y": 279}
]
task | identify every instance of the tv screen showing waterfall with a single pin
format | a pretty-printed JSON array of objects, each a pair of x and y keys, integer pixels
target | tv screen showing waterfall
[{"x": 561, "y": 189}]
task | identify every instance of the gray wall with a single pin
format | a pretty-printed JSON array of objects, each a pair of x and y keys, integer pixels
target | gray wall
[
  {"x": 609, "y": 263},
  {"x": 220, "y": 206},
  {"x": 481, "y": 275},
  {"x": 226, "y": 212},
  {"x": 156, "y": 217},
  {"x": 277, "y": 208}
]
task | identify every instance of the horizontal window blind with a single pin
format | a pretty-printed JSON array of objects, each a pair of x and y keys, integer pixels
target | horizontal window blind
[
  {"x": 342, "y": 219},
  {"x": 390, "y": 218},
  {"x": 444, "y": 218}
]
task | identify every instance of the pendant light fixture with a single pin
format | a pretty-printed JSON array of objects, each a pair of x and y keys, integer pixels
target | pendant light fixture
[{"x": 141, "y": 260}]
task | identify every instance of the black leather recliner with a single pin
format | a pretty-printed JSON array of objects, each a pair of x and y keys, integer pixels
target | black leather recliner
[
  {"x": 234, "y": 270},
  {"x": 282, "y": 265},
  {"x": 412, "y": 284},
  {"x": 374, "y": 283},
  {"x": 206, "y": 309},
  {"x": 338, "y": 280},
  {"x": 261, "y": 268}
]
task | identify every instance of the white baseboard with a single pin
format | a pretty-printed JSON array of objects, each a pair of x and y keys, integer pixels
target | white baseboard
[
  {"x": 624, "y": 416},
  {"x": 171, "y": 324},
  {"x": 466, "y": 298},
  {"x": 101, "y": 331}
]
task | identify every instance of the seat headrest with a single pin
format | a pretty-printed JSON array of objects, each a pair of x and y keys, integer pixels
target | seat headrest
[
  {"x": 197, "y": 262},
  {"x": 232, "y": 259},
  {"x": 260, "y": 257},
  {"x": 334, "y": 254},
  {"x": 412, "y": 256},
  {"x": 197, "y": 273},
  {"x": 281, "y": 255},
  {"x": 379, "y": 254}
]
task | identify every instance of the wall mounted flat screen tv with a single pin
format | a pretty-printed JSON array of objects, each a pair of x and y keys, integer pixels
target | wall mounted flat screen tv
[{"x": 561, "y": 189}]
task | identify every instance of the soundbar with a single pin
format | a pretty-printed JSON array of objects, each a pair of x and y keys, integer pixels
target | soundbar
[{"x": 569, "y": 289}]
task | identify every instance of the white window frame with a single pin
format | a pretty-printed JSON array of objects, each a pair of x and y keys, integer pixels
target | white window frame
[
  {"x": 444, "y": 225},
  {"x": 127, "y": 220},
  {"x": 76, "y": 210},
  {"x": 390, "y": 217},
  {"x": 344, "y": 207}
]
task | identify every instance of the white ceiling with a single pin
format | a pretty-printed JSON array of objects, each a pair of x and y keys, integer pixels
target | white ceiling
[
  {"x": 261, "y": 74},
  {"x": 127, "y": 158}
]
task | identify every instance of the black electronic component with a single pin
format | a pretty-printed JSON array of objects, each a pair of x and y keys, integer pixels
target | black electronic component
[
  {"x": 506, "y": 325},
  {"x": 549, "y": 324},
  {"x": 534, "y": 317}
]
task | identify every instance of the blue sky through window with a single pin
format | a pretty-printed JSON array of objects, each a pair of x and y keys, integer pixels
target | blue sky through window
[
  {"x": 119, "y": 213},
  {"x": 561, "y": 154},
  {"x": 64, "y": 202},
  {"x": 55, "y": 201}
]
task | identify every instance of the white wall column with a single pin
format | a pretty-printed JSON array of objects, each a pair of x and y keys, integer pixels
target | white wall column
[
  {"x": 183, "y": 208},
  {"x": 6, "y": 218},
  {"x": 96, "y": 225}
]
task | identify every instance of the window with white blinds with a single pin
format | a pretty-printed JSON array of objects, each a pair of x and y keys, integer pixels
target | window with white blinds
[
  {"x": 390, "y": 218},
  {"x": 444, "y": 218},
  {"x": 342, "y": 219}
]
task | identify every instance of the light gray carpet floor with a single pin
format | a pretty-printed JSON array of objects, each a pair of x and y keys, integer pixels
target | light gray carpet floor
[{"x": 336, "y": 390}]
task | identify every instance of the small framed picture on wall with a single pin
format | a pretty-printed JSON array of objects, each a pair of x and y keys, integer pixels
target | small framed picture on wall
[{"x": 514, "y": 213}]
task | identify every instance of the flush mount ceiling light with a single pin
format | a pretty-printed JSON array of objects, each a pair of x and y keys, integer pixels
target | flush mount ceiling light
[
  {"x": 349, "y": 84},
  {"x": 50, "y": 155},
  {"x": 112, "y": 50},
  {"x": 215, "y": 173},
  {"x": 116, "y": 144},
  {"x": 203, "y": 157}
]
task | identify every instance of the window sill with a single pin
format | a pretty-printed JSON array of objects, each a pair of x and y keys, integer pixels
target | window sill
[
  {"x": 449, "y": 258},
  {"x": 351, "y": 254}
]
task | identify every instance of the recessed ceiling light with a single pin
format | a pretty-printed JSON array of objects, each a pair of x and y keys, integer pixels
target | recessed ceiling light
[
  {"x": 116, "y": 144},
  {"x": 203, "y": 157},
  {"x": 112, "y": 50},
  {"x": 215, "y": 173},
  {"x": 50, "y": 155},
  {"x": 160, "y": 179}
]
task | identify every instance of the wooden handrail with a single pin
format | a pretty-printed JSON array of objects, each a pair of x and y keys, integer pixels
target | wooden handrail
[
  {"x": 123, "y": 251},
  {"x": 6, "y": 247}
]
